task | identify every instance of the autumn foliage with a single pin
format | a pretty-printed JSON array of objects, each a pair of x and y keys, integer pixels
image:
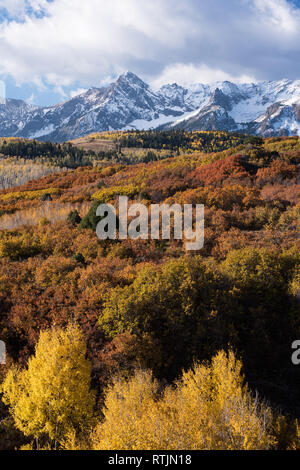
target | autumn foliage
[{"x": 153, "y": 327}]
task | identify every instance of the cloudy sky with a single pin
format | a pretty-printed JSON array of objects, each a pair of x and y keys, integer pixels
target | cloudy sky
[{"x": 52, "y": 49}]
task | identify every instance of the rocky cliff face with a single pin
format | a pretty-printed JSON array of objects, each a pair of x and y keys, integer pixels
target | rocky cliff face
[{"x": 266, "y": 108}]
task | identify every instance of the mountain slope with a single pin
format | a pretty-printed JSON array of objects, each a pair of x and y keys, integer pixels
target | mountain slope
[{"x": 266, "y": 108}]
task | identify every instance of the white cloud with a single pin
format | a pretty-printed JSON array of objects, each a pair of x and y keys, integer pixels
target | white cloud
[
  {"x": 19, "y": 8},
  {"x": 31, "y": 99},
  {"x": 281, "y": 14},
  {"x": 82, "y": 42},
  {"x": 13, "y": 7},
  {"x": 77, "y": 92},
  {"x": 185, "y": 74}
]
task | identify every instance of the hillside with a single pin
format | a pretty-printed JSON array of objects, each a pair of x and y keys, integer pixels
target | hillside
[
  {"x": 151, "y": 304},
  {"x": 22, "y": 160}
]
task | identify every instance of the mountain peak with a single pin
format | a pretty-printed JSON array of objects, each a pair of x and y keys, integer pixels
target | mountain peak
[
  {"x": 129, "y": 74},
  {"x": 130, "y": 77},
  {"x": 172, "y": 86},
  {"x": 218, "y": 98}
]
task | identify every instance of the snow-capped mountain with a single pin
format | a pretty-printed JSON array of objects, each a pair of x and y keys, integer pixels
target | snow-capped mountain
[
  {"x": 13, "y": 116},
  {"x": 266, "y": 108}
]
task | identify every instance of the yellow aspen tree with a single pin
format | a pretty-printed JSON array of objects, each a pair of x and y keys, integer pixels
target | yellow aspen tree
[
  {"x": 52, "y": 396},
  {"x": 210, "y": 408},
  {"x": 128, "y": 406},
  {"x": 229, "y": 417}
]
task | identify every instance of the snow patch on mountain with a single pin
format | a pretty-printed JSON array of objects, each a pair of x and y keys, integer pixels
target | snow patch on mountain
[{"x": 266, "y": 108}]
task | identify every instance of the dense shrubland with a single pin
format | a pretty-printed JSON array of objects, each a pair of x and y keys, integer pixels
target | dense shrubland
[{"x": 150, "y": 316}]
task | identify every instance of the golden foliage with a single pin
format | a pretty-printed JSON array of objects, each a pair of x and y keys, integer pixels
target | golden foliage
[
  {"x": 210, "y": 408},
  {"x": 107, "y": 194},
  {"x": 52, "y": 397},
  {"x": 29, "y": 195}
]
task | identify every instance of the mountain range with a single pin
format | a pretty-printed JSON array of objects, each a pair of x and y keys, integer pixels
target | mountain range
[{"x": 266, "y": 108}]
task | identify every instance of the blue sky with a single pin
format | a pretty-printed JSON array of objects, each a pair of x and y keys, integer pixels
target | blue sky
[{"x": 51, "y": 50}]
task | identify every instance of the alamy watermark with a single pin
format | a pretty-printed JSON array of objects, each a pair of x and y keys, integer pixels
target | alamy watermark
[
  {"x": 2, "y": 353},
  {"x": 2, "y": 92},
  {"x": 156, "y": 222},
  {"x": 296, "y": 354}
]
